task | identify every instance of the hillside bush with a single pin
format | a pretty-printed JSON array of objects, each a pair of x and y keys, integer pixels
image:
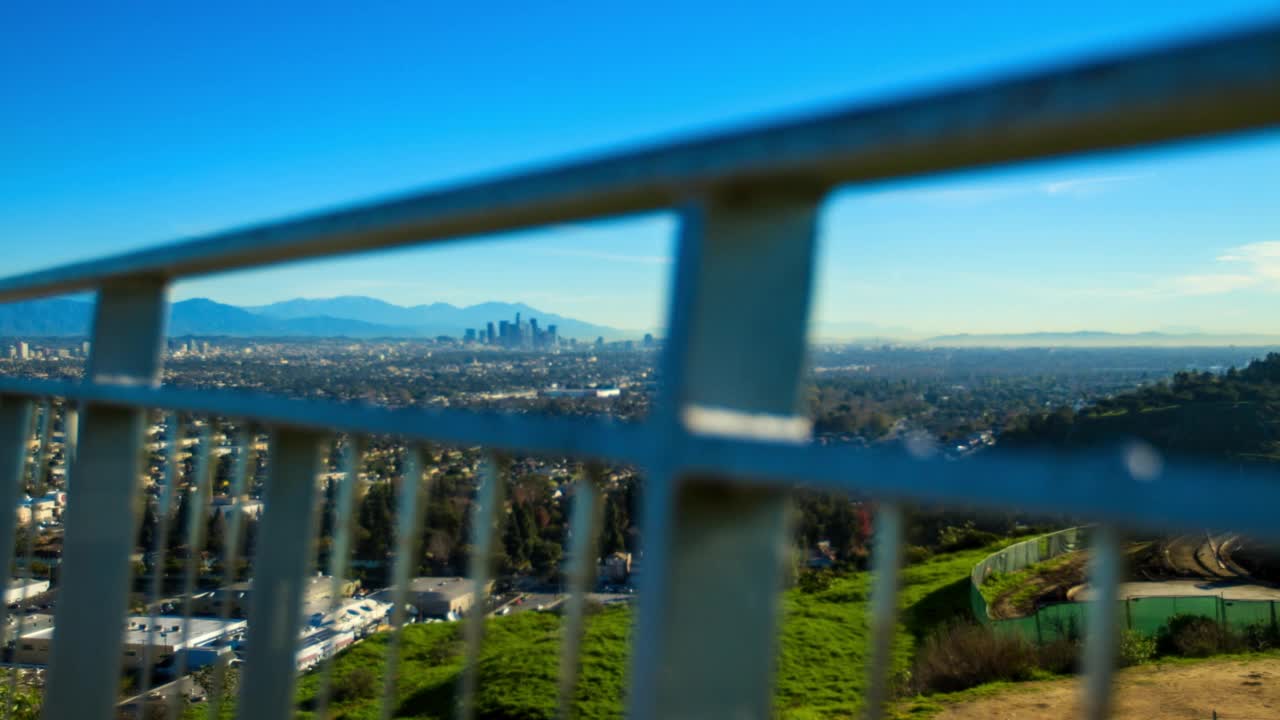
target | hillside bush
[
  {"x": 1059, "y": 656},
  {"x": 964, "y": 537},
  {"x": 1136, "y": 648},
  {"x": 1260, "y": 637},
  {"x": 358, "y": 683},
  {"x": 915, "y": 554},
  {"x": 964, "y": 655},
  {"x": 1195, "y": 636}
]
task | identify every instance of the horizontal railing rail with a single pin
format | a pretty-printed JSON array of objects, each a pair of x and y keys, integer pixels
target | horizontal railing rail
[
  {"x": 1055, "y": 483},
  {"x": 727, "y": 439}
]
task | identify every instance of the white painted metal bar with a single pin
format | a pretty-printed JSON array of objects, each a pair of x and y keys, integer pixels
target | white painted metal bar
[
  {"x": 339, "y": 555},
  {"x": 1102, "y": 625},
  {"x": 886, "y": 562},
  {"x": 193, "y": 535},
  {"x": 664, "y": 467},
  {"x": 578, "y": 437},
  {"x": 38, "y": 463},
  {"x": 71, "y": 439},
  {"x": 101, "y": 513},
  {"x": 160, "y": 546},
  {"x": 749, "y": 289},
  {"x": 283, "y": 556},
  {"x": 1222, "y": 84},
  {"x": 232, "y": 549},
  {"x": 409, "y": 518},
  {"x": 584, "y": 528},
  {"x": 485, "y": 513},
  {"x": 1048, "y": 481},
  {"x": 15, "y": 427}
]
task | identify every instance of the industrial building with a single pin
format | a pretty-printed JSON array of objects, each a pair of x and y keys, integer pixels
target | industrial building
[
  {"x": 317, "y": 596},
  {"x": 438, "y": 597},
  {"x": 20, "y": 589},
  {"x": 165, "y": 635}
]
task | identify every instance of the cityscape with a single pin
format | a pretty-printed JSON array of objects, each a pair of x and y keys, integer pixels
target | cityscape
[
  {"x": 624, "y": 361},
  {"x": 181, "y": 647}
]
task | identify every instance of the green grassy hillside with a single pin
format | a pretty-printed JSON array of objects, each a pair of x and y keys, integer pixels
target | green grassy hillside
[
  {"x": 821, "y": 658},
  {"x": 1233, "y": 416}
]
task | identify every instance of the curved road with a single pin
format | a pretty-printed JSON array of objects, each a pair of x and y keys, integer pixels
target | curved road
[{"x": 1201, "y": 566}]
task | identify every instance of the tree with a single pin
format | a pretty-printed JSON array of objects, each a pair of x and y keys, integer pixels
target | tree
[
  {"x": 615, "y": 526},
  {"x": 178, "y": 525},
  {"x": 216, "y": 534},
  {"x": 545, "y": 557},
  {"x": 148, "y": 528},
  {"x": 376, "y": 521}
]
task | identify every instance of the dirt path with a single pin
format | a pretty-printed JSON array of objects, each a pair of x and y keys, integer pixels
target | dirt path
[{"x": 1235, "y": 689}]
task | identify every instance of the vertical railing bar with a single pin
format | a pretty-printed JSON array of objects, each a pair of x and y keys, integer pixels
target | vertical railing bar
[
  {"x": 231, "y": 555},
  {"x": 284, "y": 554},
  {"x": 584, "y": 526},
  {"x": 407, "y": 533},
  {"x": 197, "y": 487},
  {"x": 160, "y": 544},
  {"x": 16, "y": 418},
  {"x": 83, "y": 679},
  {"x": 886, "y": 563},
  {"x": 339, "y": 554},
  {"x": 659, "y": 492},
  {"x": 744, "y": 278},
  {"x": 488, "y": 503},
  {"x": 37, "y": 485},
  {"x": 1102, "y": 624},
  {"x": 71, "y": 439}
]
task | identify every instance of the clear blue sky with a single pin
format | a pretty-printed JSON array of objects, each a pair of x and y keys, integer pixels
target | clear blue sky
[{"x": 127, "y": 126}]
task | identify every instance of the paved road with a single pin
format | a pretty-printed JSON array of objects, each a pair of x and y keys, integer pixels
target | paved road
[
  {"x": 1203, "y": 555},
  {"x": 1229, "y": 589}
]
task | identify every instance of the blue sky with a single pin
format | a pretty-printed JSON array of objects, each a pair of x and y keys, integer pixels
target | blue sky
[{"x": 125, "y": 127}]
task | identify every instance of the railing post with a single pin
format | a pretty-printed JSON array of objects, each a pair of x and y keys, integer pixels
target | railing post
[
  {"x": 714, "y": 552},
  {"x": 101, "y": 515},
  {"x": 283, "y": 559},
  {"x": 1102, "y": 626},
  {"x": 15, "y": 427}
]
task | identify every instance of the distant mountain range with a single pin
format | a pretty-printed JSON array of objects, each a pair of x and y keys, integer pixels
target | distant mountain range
[
  {"x": 1089, "y": 338},
  {"x": 361, "y": 317}
]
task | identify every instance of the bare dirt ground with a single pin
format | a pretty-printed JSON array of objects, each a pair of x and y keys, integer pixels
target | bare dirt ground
[{"x": 1235, "y": 689}]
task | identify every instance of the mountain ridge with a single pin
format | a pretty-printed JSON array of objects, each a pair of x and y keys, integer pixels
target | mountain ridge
[
  {"x": 1100, "y": 338},
  {"x": 53, "y": 317}
]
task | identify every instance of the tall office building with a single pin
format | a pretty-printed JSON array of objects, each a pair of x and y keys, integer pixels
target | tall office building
[
  {"x": 24, "y": 351},
  {"x": 488, "y": 332}
]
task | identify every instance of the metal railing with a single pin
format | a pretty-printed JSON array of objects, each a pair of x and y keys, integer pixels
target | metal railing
[{"x": 726, "y": 441}]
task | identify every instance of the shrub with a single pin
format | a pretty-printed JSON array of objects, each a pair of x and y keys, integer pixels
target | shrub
[
  {"x": 815, "y": 581},
  {"x": 1195, "y": 636},
  {"x": 915, "y": 554},
  {"x": 1136, "y": 648},
  {"x": 1260, "y": 636},
  {"x": 1059, "y": 656},
  {"x": 357, "y": 684},
  {"x": 954, "y": 538},
  {"x": 964, "y": 655}
]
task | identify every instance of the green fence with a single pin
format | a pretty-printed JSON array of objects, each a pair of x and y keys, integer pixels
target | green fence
[{"x": 1146, "y": 615}]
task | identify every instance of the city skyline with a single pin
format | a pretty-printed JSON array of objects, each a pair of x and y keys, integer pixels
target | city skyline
[{"x": 104, "y": 162}]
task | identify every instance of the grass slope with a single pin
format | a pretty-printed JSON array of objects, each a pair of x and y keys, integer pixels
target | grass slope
[{"x": 821, "y": 660}]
